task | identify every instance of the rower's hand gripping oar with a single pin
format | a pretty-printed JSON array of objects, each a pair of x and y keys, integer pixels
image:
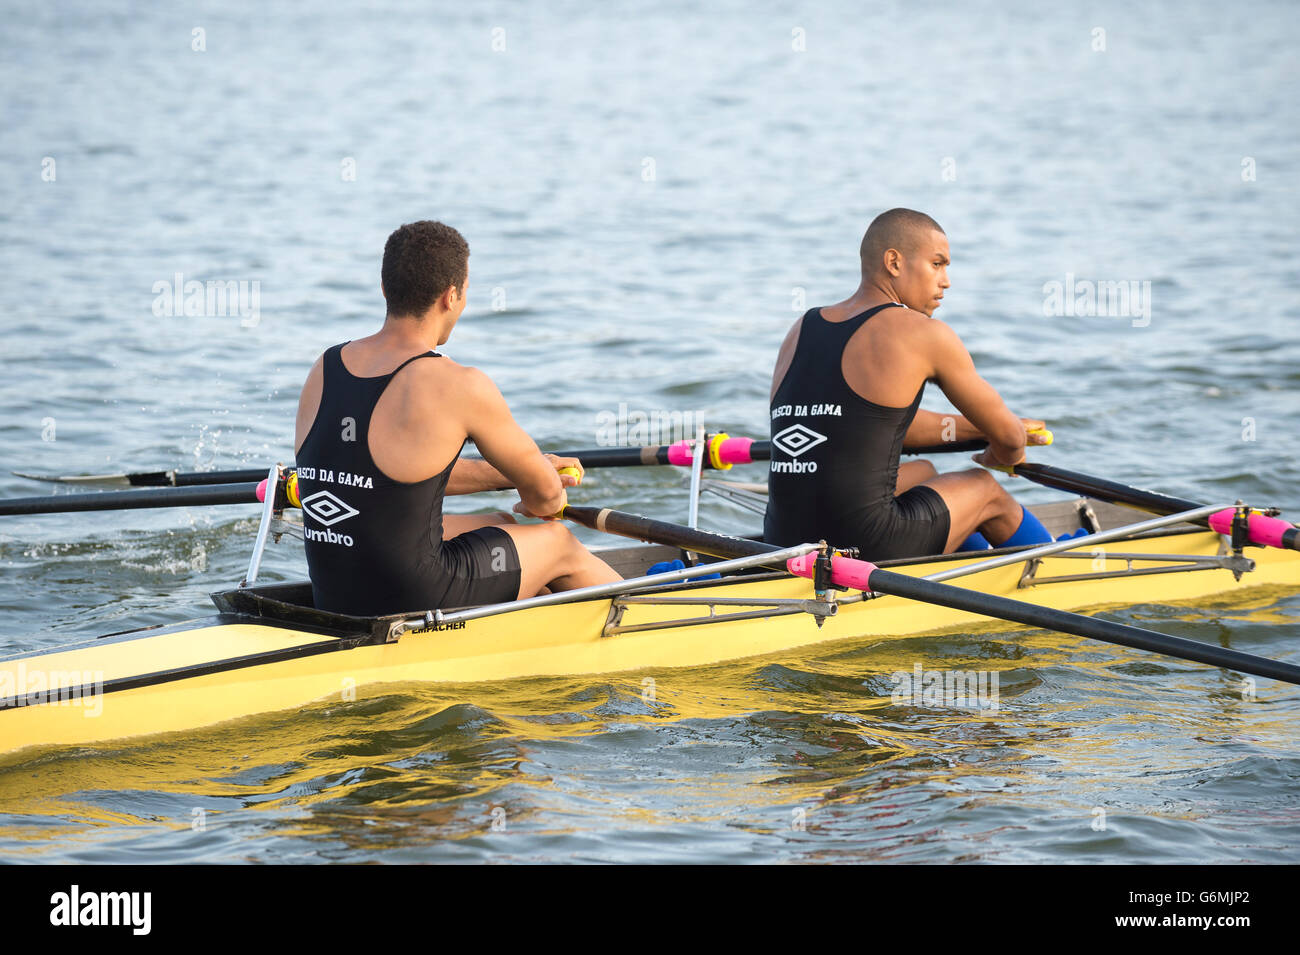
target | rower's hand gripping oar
[{"x": 850, "y": 573}]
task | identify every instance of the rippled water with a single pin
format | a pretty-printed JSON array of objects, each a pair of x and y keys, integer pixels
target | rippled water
[
  {"x": 789, "y": 758},
  {"x": 649, "y": 197}
]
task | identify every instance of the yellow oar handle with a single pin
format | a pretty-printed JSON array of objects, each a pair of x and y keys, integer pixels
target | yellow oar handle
[
  {"x": 577, "y": 476},
  {"x": 1011, "y": 470}
]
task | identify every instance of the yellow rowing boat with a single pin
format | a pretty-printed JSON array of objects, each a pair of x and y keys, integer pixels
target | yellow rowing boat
[{"x": 268, "y": 649}]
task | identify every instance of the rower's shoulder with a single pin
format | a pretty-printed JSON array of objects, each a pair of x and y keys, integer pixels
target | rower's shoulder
[
  {"x": 443, "y": 375},
  {"x": 902, "y": 316},
  {"x": 315, "y": 379},
  {"x": 434, "y": 363},
  {"x": 433, "y": 369},
  {"x": 900, "y": 326},
  {"x": 921, "y": 327}
]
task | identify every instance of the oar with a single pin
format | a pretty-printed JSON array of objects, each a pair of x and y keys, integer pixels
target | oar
[
  {"x": 128, "y": 500},
  {"x": 1263, "y": 529},
  {"x": 724, "y": 451},
  {"x": 861, "y": 575},
  {"x": 152, "y": 478}
]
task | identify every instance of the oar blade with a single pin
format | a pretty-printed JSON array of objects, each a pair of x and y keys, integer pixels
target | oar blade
[{"x": 93, "y": 480}]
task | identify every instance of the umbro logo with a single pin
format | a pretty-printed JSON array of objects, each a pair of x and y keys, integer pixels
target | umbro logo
[
  {"x": 797, "y": 439},
  {"x": 326, "y": 509}
]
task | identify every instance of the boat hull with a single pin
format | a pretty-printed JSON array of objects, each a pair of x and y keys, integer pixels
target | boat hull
[{"x": 205, "y": 672}]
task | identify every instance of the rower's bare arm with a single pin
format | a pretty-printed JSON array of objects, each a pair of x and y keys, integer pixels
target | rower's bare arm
[
  {"x": 508, "y": 448},
  {"x": 975, "y": 398},
  {"x": 309, "y": 402},
  {"x": 470, "y": 476},
  {"x": 931, "y": 428}
]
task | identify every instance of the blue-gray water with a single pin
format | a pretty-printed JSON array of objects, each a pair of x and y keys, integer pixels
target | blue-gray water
[{"x": 650, "y": 196}]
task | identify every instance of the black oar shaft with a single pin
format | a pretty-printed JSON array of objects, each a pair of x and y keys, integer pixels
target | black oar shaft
[
  {"x": 590, "y": 457},
  {"x": 952, "y": 447},
  {"x": 957, "y": 598},
  {"x": 1104, "y": 490},
  {"x": 1032, "y": 615},
  {"x": 619, "y": 457},
  {"x": 758, "y": 451},
  {"x": 1261, "y": 529},
  {"x": 662, "y": 532},
  {"x": 130, "y": 500},
  {"x": 196, "y": 478}
]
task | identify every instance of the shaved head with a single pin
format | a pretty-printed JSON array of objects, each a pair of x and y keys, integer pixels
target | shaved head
[{"x": 901, "y": 229}]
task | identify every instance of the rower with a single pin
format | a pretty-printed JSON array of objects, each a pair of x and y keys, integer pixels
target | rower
[
  {"x": 381, "y": 424},
  {"x": 845, "y": 401}
]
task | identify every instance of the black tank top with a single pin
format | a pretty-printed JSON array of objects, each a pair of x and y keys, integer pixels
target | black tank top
[
  {"x": 371, "y": 541},
  {"x": 834, "y": 454}
]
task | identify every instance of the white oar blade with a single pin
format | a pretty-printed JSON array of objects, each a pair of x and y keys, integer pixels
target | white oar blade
[{"x": 89, "y": 480}]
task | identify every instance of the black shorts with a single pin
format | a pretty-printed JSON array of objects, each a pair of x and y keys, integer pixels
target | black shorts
[
  {"x": 914, "y": 524},
  {"x": 478, "y": 567}
]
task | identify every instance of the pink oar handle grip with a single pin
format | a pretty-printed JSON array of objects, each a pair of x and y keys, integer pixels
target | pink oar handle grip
[
  {"x": 730, "y": 451},
  {"x": 736, "y": 451},
  {"x": 680, "y": 454},
  {"x": 1262, "y": 529},
  {"x": 261, "y": 490},
  {"x": 845, "y": 571}
]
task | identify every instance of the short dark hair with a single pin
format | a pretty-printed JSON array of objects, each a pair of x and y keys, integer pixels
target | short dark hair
[
  {"x": 421, "y": 261},
  {"x": 899, "y": 229}
]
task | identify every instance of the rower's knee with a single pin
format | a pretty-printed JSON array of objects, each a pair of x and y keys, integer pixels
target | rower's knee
[
  {"x": 925, "y": 469},
  {"x": 570, "y": 553},
  {"x": 560, "y": 539},
  {"x": 985, "y": 481},
  {"x": 995, "y": 495},
  {"x": 557, "y": 535},
  {"x": 1000, "y": 499}
]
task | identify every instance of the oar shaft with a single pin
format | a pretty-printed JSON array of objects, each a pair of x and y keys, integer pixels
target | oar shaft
[
  {"x": 952, "y": 447},
  {"x": 737, "y": 451},
  {"x": 863, "y": 575},
  {"x": 619, "y": 457},
  {"x": 130, "y": 500},
  {"x": 204, "y": 478},
  {"x": 1261, "y": 529},
  {"x": 1102, "y": 489},
  {"x": 661, "y": 532},
  {"x": 1032, "y": 615}
]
